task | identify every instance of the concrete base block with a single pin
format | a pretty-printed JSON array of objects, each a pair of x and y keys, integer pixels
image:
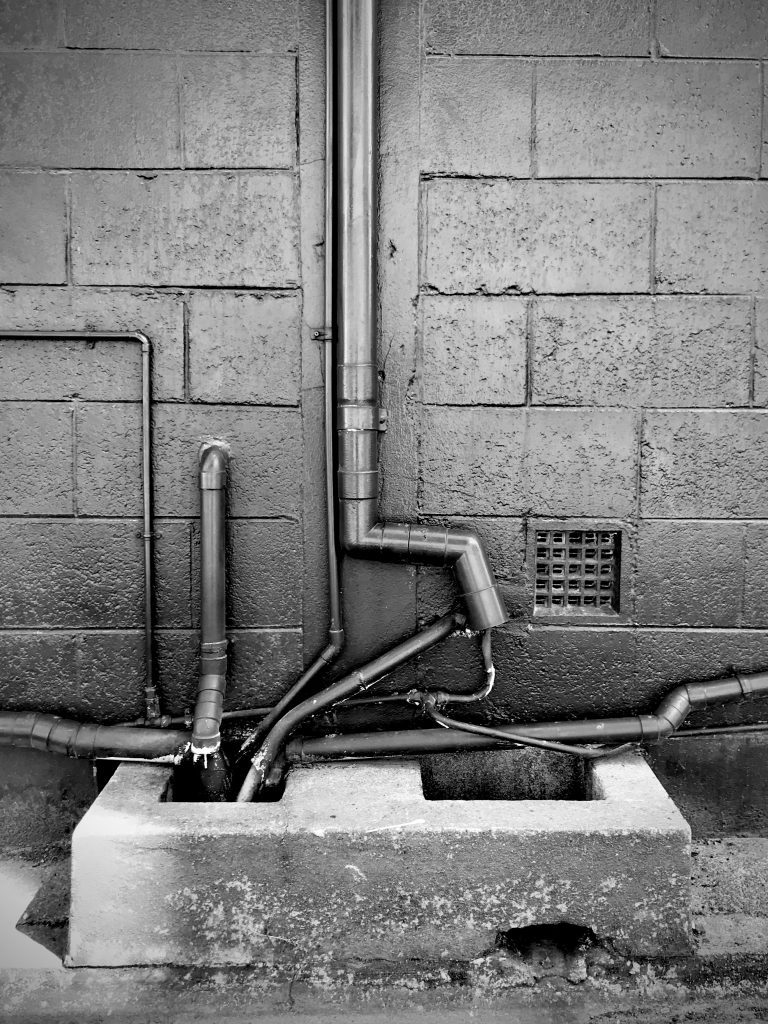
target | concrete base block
[{"x": 355, "y": 863}]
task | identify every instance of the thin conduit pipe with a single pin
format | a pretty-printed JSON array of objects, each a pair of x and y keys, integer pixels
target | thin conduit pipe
[
  {"x": 361, "y": 678},
  {"x": 335, "y": 623},
  {"x": 671, "y": 713},
  {"x": 151, "y": 698}
]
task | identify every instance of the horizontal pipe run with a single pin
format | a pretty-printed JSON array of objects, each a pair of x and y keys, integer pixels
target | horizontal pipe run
[
  {"x": 361, "y": 678},
  {"x": 78, "y": 739},
  {"x": 671, "y": 713}
]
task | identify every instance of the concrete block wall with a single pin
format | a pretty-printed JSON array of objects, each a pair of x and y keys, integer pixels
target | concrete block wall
[
  {"x": 574, "y": 326},
  {"x": 577, "y": 329},
  {"x": 152, "y": 178}
]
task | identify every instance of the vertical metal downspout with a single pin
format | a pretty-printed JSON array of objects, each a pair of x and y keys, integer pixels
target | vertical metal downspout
[
  {"x": 358, "y": 413},
  {"x": 209, "y": 707}
]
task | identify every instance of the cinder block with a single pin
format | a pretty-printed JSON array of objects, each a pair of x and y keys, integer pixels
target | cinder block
[
  {"x": 617, "y": 27},
  {"x": 78, "y": 109},
  {"x": 710, "y": 237},
  {"x": 264, "y": 573},
  {"x": 552, "y": 462},
  {"x": 30, "y": 24},
  {"x": 33, "y": 228},
  {"x": 173, "y": 573},
  {"x": 761, "y": 352},
  {"x": 236, "y": 229},
  {"x": 474, "y": 350},
  {"x": 261, "y": 665},
  {"x": 598, "y": 118},
  {"x": 267, "y": 26},
  {"x": 667, "y": 351},
  {"x": 239, "y": 110},
  {"x": 105, "y": 371},
  {"x": 711, "y": 464},
  {"x": 459, "y": 100},
  {"x": 265, "y": 473},
  {"x": 38, "y": 479},
  {"x": 713, "y": 28},
  {"x": 244, "y": 347},
  {"x": 108, "y": 459},
  {"x": 519, "y": 236},
  {"x": 89, "y": 676},
  {"x": 71, "y": 573},
  {"x": 756, "y": 576},
  {"x": 352, "y": 864},
  {"x": 378, "y": 611},
  {"x": 690, "y": 573}
]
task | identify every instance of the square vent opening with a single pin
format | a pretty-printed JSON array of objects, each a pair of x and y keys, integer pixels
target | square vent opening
[{"x": 578, "y": 572}]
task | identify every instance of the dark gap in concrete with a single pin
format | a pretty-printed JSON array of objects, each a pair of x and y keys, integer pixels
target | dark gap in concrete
[{"x": 522, "y": 774}]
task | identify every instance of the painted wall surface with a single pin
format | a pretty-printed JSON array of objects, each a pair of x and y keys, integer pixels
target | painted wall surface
[{"x": 573, "y": 270}]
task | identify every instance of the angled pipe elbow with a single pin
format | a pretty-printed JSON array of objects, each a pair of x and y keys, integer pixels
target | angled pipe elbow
[{"x": 363, "y": 537}]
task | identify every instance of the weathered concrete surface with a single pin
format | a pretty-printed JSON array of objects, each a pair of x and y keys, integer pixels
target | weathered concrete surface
[
  {"x": 641, "y": 351},
  {"x": 453, "y": 26},
  {"x": 522, "y": 236},
  {"x": 354, "y": 862},
  {"x": 713, "y": 28},
  {"x": 155, "y": 228},
  {"x": 619, "y": 118},
  {"x": 710, "y": 236}
]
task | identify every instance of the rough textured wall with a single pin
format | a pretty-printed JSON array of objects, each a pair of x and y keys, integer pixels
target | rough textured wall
[
  {"x": 572, "y": 269},
  {"x": 153, "y": 178},
  {"x": 577, "y": 329}
]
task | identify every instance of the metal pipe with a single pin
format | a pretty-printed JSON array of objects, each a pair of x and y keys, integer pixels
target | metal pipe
[
  {"x": 78, "y": 739},
  {"x": 359, "y": 417},
  {"x": 360, "y": 679},
  {"x": 589, "y": 753},
  {"x": 670, "y": 715},
  {"x": 151, "y": 698},
  {"x": 209, "y": 707},
  {"x": 335, "y": 623}
]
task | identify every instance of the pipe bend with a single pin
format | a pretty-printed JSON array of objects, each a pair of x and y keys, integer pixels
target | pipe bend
[
  {"x": 214, "y": 464},
  {"x": 674, "y": 709}
]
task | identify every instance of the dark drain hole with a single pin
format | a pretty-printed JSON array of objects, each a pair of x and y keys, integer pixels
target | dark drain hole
[{"x": 539, "y": 942}]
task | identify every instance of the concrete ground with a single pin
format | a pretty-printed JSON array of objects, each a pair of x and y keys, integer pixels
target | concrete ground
[{"x": 725, "y": 980}]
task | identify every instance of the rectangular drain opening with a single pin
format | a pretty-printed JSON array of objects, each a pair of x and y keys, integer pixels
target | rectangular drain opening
[
  {"x": 577, "y": 571},
  {"x": 519, "y": 774}
]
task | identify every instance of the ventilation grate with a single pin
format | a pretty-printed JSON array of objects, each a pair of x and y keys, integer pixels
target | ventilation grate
[{"x": 578, "y": 570}]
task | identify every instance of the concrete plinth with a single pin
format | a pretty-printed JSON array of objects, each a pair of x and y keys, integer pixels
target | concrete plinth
[{"x": 355, "y": 863}]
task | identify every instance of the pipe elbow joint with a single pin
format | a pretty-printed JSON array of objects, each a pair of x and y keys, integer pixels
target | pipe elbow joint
[
  {"x": 479, "y": 589},
  {"x": 214, "y": 464},
  {"x": 674, "y": 710}
]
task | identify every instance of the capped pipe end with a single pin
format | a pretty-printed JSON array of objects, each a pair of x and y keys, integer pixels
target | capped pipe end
[{"x": 214, "y": 463}]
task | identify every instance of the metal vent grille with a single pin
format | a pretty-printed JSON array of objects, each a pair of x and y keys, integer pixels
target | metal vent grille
[{"x": 578, "y": 569}]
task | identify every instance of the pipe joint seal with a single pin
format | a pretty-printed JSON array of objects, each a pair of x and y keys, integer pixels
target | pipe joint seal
[{"x": 359, "y": 417}]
